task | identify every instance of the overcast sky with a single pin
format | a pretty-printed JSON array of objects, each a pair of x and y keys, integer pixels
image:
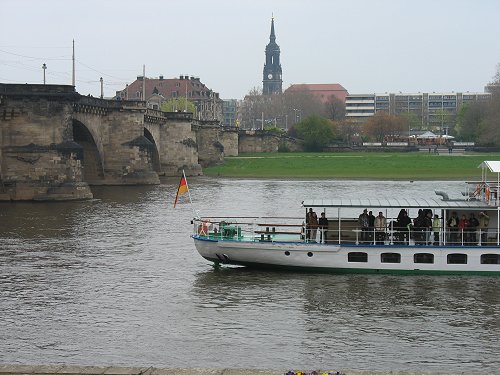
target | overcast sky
[{"x": 365, "y": 45}]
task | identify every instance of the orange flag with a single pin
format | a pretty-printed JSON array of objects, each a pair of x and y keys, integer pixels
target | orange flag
[{"x": 183, "y": 188}]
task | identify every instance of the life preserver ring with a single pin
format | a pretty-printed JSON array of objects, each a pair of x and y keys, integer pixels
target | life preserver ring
[{"x": 203, "y": 228}]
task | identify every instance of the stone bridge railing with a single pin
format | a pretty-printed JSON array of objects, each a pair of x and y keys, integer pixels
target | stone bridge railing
[
  {"x": 154, "y": 115},
  {"x": 18, "y": 89},
  {"x": 96, "y": 105}
]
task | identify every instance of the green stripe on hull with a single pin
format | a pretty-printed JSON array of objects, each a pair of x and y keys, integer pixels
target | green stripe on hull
[{"x": 356, "y": 270}]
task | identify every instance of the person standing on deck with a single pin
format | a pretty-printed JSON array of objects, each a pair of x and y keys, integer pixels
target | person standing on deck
[
  {"x": 473, "y": 224},
  {"x": 405, "y": 225},
  {"x": 311, "y": 225},
  {"x": 428, "y": 227},
  {"x": 419, "y": 228},
  {"x": 463, "y": 225},
  {"x": 436, "y": 229},
  {"x": 484, "y": 221},
  {"x": 323, "y": 227},
  {"x": 364, "y": 225},
  {"x": 371, "y": 225},
  {"x": 380, "y": 226},
  {"x": 453, "y": 228}
]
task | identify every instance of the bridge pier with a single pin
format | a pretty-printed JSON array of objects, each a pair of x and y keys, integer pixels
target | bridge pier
[
  {"x": 176, "y": 140},
  {"x": 38, "y": 160}
]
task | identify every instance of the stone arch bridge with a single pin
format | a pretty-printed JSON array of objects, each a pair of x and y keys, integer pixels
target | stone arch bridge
[{"x": 54, "y": 143}]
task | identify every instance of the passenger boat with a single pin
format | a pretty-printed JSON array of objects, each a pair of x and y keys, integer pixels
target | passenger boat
[{"x": 344, "y": 246}]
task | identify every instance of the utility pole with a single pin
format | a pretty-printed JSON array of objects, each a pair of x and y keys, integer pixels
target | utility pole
[
  {"x": 144, "y": 82},
  {"x": 44, "y": 67},
  {"x": 186, "y": 101},
  {"x": 102, "y": 88},
  {"x": 295, "y": 110},
  {"x": 73, "y": 75}
]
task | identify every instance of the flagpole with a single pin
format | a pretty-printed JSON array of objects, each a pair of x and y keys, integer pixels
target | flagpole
[
  {"x": 189, "y": 193},
  {"x": 196, "y": 213}
]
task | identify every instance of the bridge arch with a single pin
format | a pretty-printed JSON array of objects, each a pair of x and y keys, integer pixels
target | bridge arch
[
  {"x": 155, "y": 155},
  {"x": 93, "y": 168}
]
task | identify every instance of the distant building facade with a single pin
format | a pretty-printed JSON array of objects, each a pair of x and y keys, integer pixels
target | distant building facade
[
  {"x": 435, "y": 110},
  {"x": 230, "y": 112},
  {"x": 272, "y": 81},
  {"x": 322, "y": 91},
  {"x": 159, "y": 90}
]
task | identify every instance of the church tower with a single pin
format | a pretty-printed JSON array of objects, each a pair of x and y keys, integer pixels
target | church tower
[{"x": 272, "y": 82}]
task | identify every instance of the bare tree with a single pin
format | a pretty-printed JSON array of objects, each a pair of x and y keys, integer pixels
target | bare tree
[
  {"x": 335, "y": 108},
  {"x": 488, "y": 132},
  {"x": 349, "y": 131},
  {"x": 279, "y": 110},
  {"x": 301, "y": 104},
  {"x": 479, "y": 121},
  {"x": 383, "y": 125},
  {"x": 469, "y": 120},
  {"x": 251, "y": 109},
  {"x": 496, "y": 77}
]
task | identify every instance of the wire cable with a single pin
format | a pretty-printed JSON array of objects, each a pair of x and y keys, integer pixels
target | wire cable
[{"x": 59, "y": 58}]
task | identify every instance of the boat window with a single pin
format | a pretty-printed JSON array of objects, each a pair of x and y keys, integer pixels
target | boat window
[
  {"x": 457, "y": 258},
  {"x": 390, "y": 258},
  {"x": 357, "y": 256},
  {"x": 423, "y": 258},
  {"x": 490, "y": 258}
]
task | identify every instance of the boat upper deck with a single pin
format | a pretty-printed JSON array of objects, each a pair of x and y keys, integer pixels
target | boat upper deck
[{"x": 432, "y": 203}]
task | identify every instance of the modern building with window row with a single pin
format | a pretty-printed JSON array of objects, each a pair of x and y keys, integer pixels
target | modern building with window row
[
  {"x": 230, "y": 112},
  {"x": 431, "y": 109}
]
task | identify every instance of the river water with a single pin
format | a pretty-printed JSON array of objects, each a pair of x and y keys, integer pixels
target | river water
[{"x": 117, "y": 281}]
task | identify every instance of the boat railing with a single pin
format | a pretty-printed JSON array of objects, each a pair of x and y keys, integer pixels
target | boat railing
[
  {"x": 292, "y": 229},
  {"x": 251, "y": 228},
  {"x": 484, "y": 191},
  {"x": 402, "y": 236}
]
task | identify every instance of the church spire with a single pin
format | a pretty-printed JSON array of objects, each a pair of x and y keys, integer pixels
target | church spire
[
  {"x": 272, "y": 37},
  {"x": 272, "y": 82}
]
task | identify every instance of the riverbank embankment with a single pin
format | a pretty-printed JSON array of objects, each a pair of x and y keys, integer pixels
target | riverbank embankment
[
  {"x": 110, "y": 370},
  {"x": 353, "y": 165}
]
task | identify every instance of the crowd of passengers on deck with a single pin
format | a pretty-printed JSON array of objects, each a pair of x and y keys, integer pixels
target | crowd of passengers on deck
[{"x": 425, "y": 229}]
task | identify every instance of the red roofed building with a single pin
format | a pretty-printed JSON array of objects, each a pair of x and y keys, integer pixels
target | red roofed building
[
  {"x": 159, "y": 90},
  {"x": 322, "y": 91}
]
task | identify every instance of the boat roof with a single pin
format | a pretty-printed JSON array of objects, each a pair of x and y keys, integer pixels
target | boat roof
[
  {"x": 492, "y": 165},
  {"x": 400, "y": 203}
]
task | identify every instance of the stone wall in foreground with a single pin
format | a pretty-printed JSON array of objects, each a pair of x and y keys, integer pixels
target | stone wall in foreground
[{"x": 98, "y": 370}]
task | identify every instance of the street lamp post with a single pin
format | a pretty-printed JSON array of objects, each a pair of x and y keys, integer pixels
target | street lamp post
[
  {"x": 102, "y": 88},
  {"x": 44, "y": 67},
  {"x": 409, "y": 132},
  {"x": 295, "y": 110}
]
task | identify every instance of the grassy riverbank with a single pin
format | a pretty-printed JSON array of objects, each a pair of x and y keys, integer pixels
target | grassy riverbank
[{"x": 359, "y": 165}]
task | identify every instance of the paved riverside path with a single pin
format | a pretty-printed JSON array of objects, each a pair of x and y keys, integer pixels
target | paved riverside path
[{"x": 98, "y": 370}]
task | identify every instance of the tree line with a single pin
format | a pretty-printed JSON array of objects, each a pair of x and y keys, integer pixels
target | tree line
[
  {"x": 318, "y": 124},
  {"x": 480, "y": 121}
]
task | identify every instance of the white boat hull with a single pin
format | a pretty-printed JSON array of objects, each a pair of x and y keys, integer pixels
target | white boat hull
[{"x": 334, "y": 257}]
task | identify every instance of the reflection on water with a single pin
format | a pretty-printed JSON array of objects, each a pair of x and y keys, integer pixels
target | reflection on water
[
  {"x": 117, "y": 281},
  {"x": 359, "y": 321}
]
